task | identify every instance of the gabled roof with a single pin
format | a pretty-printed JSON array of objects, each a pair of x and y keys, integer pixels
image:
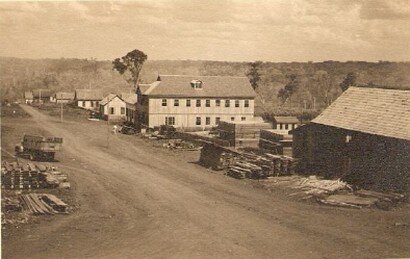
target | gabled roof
[
  {"x": 287, "y": 119},
  {"x": 384, "y": 112},
  {"x": 109, "y": 98},
  {"x": 212, "y": 86},
  {"x": 45, "y": 93},
  {"x": 129, "y": 97},
  {"x": 28, "y": 95},
  {"x": 88, "y": 94},
  {"x": 144, "y": 87},
  {"x": 64, "y": 96}
]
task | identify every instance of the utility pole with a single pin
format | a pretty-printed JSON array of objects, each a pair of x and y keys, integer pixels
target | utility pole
[
  {"x": 61, "y": 112},
  {"x": 108, "y": 124}
]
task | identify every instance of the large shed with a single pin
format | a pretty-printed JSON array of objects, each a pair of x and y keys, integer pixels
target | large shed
[{"x": 363, "y": 138}]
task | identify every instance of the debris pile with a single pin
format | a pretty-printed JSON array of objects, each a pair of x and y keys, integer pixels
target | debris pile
[
  {"x": 31, "y": 176},
  {"x": 315, "y": 186},
  {"x": 180, "y": 144},
  {"x": 43, "y": 204}
]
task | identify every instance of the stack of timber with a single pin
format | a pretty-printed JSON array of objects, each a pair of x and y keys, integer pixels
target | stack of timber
[
  {"x": 273, "y": 142},
  {"x": 253, "y": 166},
  {"x": 43, "y": 204},
  {"x": 31, "y": 176},
  {"x": 217, "y": 157},
  {"x": 242, "y": 134}
]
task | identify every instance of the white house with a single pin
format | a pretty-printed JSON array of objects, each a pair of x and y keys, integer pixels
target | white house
[
  {"x": 189, "y": 102},
  {"x": 283, "y": 124},
  {"x": 87, "y": 98},
  {"x": 112, "y": 107}
]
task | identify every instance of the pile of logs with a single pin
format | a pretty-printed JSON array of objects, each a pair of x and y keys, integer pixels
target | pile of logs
[
  {"x": 43, "y": 204},
  {"x": 31, "y": 176},
  {"x": 253, "y": 166}
]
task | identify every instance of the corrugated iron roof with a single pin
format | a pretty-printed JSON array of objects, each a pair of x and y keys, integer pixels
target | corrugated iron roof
[
  {"x": 378, "y": 111},
  {"x": 45, "y": 93},
  {"x": 286, "y": 119},
  {"x": 88, "y": 94},
  {"x": 212, "y": 86},
  {"x": 64, "y": 96},
  {"x": 108, "y": 99}
]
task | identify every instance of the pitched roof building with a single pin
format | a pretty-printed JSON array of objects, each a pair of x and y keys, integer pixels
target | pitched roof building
[
  {"x": 63, "y": 97},
  {"x": 384, "y": 112},
  {"x": 363, "y": 138},
  {"x": 88, "y": 98},
  {"x": 195, "y": 101}
]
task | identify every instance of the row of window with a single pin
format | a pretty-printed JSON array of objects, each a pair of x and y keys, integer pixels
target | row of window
[
  {"x": 198, "y": 120},
  {"x": 112, "y": 110},
  {"x": 285, "y": 126},
  {"x": 92, "y": 103},
  {"x": 198, "y": 103}
]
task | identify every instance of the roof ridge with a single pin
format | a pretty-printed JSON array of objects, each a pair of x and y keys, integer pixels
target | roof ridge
[{"x": 204, "y": 76}]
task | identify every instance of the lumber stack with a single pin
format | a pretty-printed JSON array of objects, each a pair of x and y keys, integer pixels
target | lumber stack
[
  {"x": 242, "y": 134},
  {"x": 216, "y": 157},
  {"x": 253, "y": 166},
  {"x": 43, "y": 204},
  {"x": 30, "y": 176}
]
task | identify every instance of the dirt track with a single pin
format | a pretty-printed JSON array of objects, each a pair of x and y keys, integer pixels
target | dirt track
[{"x": 139, "y": 201}]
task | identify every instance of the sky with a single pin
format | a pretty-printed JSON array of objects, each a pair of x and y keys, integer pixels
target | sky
[{"x": 237, "y": 30}]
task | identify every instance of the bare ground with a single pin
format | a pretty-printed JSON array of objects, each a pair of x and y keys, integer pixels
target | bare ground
[{"x": 134, "y": 200}]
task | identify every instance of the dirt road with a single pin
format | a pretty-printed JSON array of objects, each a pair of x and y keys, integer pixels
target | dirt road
[{"x": 139, "y": 201}]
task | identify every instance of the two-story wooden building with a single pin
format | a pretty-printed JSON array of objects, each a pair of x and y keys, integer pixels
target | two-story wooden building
[{"x": 192, "y": 102}]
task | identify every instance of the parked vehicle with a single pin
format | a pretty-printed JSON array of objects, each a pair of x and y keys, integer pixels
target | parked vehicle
[
  {"x": 36, "y": 147},
  {"x": 127, "y": 130}
]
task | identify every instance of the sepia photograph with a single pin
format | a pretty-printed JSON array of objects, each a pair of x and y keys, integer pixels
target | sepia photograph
[{"x": 205, "y": 129}]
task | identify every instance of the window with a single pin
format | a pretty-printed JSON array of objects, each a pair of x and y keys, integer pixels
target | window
[
  {"x": 97, "y": 103},
  {"x": 92, "y": 104},
  {"x": 198, "y": 103},
  {"x": 236, "y": 103},
  {"x": 176, "y": 102},
  {"x": 122, "y": 110},
  {"x": 169, "y": 120},
  {"x": 127, "y": 112},
  {"x": 196, "y": 84},
  {"x": 286, "y": 126},
  {"x": 232, "y": 118},
  {"x": 208, "y": 103},
  {"x": 246, "y": 103},
  {"x": 243, "y": 118},
  {"x": 217, "y": 103},
  {"x": 280, "y": 126},
  {"x": 198, "y": 121},
  {"x": 188, "y": 103},
  {"x": 227, "y": 103},
  {"x": 207, "y": 120},
  {"x": 217, "y": 120},
  {"x": 293, "y": 126},
  {"x": 83, "y": 104},
  {"x": 164, "y": 102},
  {"x": 112, "y": 110}
]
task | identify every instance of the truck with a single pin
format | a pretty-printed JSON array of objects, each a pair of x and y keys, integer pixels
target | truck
[{"x": 35, "y": 147}]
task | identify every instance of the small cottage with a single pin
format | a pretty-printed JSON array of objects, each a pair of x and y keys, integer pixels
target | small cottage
[
  {"x": 42, "y": 95},
  {"x": 28, "y": 97},
  {"x": 283, "y": 124},
  {"x": 112, "y": 108},
  {"x": 63, "y": 97},
  {"x": 87, "y": 98},
  {"x": 363, "y": 138}
]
